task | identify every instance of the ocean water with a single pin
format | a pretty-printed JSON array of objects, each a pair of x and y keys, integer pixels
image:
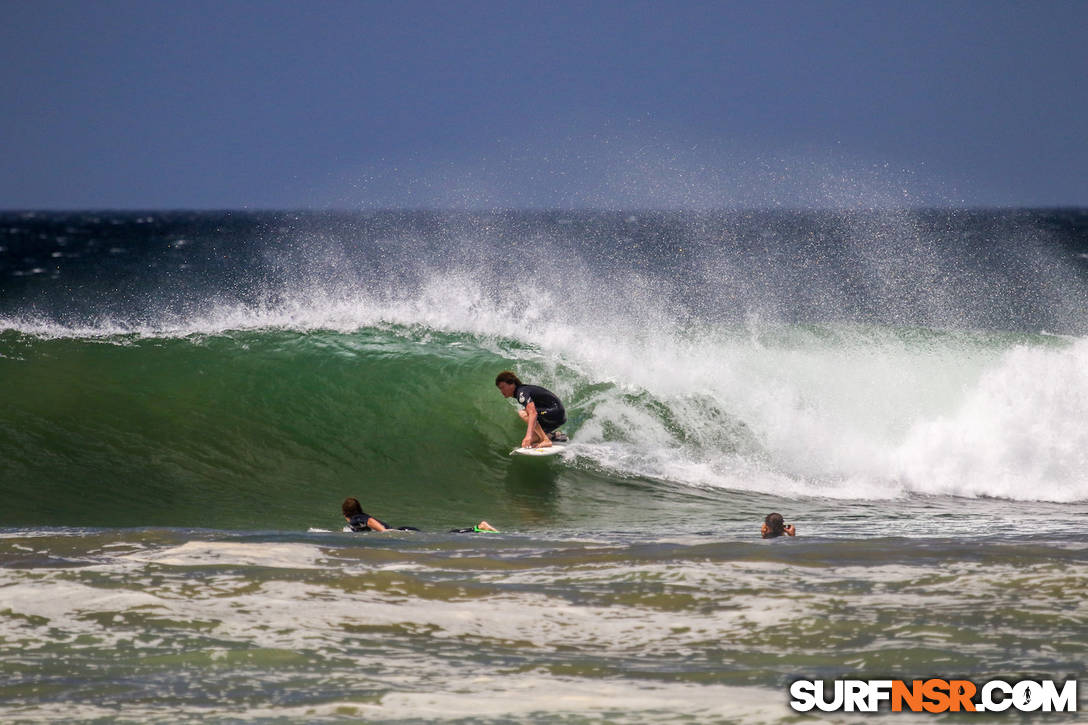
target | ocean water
[{"x": 188, "y": 397}]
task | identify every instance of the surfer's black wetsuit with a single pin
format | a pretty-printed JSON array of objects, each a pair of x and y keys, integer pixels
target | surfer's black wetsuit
[
  {"x": 549, "y": 409},
  {"x": 358, "y": 523}
]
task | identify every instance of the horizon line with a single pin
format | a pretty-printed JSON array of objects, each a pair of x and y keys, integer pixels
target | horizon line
[{"x": 533, "y": 210}]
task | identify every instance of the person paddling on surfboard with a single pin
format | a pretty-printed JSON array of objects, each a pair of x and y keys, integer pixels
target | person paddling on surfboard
[
  {"x": 542, "y": 410},
  {"x": 359, "y": 520}
]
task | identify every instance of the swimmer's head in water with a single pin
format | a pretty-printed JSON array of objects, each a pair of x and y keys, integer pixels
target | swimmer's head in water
[{"x": 774, "y": 525}]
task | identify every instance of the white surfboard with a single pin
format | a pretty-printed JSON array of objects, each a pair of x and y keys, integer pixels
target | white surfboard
[{"x": 553, "y": 450}]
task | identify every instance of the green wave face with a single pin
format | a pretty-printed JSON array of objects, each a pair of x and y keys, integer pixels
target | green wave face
[{"x": 233, "y": 430}]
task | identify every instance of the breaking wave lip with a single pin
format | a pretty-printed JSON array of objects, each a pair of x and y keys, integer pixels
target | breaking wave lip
[
  {"x": 1018, "y": 432},
  {"x": 1021, "y": 433},
  {"x": 344, "y": 317}
]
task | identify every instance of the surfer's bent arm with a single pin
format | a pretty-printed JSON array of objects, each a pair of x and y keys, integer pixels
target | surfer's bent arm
[{"x": 374, "y": 524}]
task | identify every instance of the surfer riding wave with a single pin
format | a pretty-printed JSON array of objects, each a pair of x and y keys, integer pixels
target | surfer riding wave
[{"x": 542, "y": 410}]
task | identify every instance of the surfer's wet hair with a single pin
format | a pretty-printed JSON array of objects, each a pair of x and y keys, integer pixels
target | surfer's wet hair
[
  {"x": 776, "y": 526},
  {"x": 351, "y": 507},
  {"x": 507, "y": 377}
]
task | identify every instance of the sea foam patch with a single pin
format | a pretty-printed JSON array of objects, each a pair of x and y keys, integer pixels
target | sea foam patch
[{"x": 233, "y": 553}]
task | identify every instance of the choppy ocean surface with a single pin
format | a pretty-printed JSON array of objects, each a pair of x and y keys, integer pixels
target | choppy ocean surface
[{"x": 188, "y": 397}]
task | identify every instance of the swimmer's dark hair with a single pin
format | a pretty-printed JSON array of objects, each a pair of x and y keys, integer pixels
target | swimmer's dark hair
[
  {"x": 776, "y": 526},
  {"x": 507, "y": 377},
  {"x": 351, "y": 507}
]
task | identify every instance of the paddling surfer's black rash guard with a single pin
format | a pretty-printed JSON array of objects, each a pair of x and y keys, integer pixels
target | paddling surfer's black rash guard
[
  {"x": 358, "y": 523},
  {"x": 549, "y": 410}
]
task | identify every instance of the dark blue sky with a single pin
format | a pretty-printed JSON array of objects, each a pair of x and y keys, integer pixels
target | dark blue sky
[{"x": 561, "y": 104}]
